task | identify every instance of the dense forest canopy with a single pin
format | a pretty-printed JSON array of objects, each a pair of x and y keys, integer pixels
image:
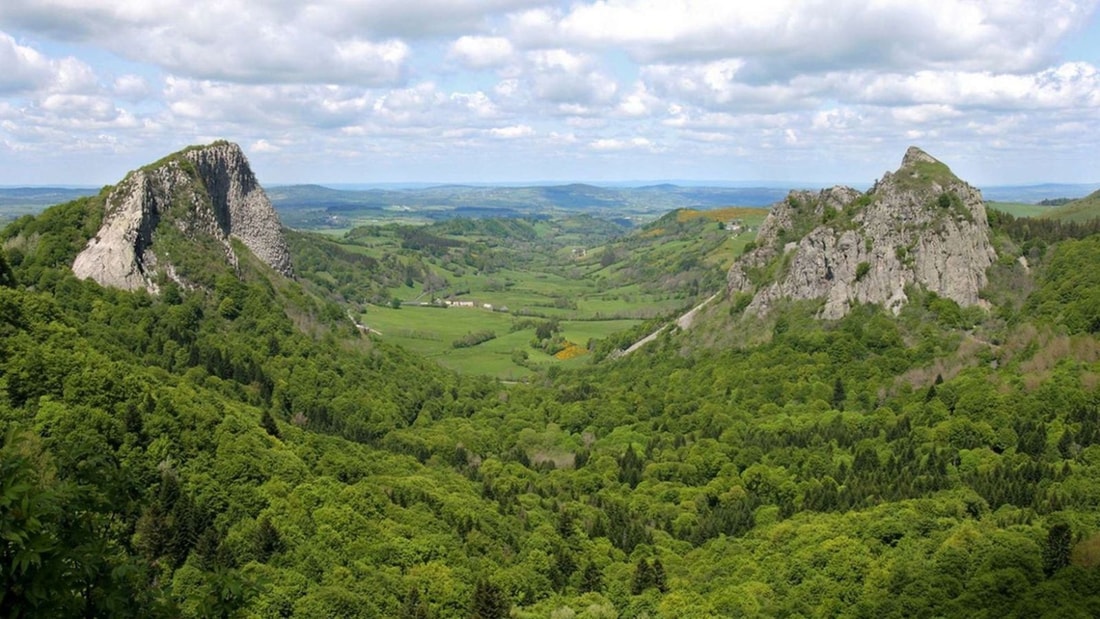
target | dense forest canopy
[{"x": 243, "y": 450}]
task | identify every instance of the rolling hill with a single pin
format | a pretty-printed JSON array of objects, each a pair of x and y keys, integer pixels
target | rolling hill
[{"x": 1081, "y": 210}]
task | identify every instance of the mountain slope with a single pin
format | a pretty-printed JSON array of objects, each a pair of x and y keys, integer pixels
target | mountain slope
[
  {"x": 918, "y": 225},
  {"x": 1083, "y": 209},
  {"x": 202, "y": 195}
]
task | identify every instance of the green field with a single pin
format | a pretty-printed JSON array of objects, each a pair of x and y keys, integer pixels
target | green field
[
  {"x": 431, "y": 331},
  {"x": 593, "y": 277},
  {"x": 1020, "y": 209}
]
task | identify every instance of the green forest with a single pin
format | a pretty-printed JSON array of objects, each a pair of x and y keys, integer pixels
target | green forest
[{"x": 243, "y": 450}]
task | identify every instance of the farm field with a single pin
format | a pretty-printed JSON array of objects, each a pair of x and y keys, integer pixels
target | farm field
[
  {"x": 1020, "y": 209},
  {"x": 432, "y": 332},
  {"x": 592, "y": 279}
]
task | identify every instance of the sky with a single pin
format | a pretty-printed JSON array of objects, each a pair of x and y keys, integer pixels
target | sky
[{"x": 391, "y": 91}]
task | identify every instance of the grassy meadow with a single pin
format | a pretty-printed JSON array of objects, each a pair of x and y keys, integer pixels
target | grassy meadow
[
  {"x": 432, "y": 331},
  {"x": 1084, "y": 209},
  {"x": 1020, "y": 209},
  {"x": 593, "y": 279}
]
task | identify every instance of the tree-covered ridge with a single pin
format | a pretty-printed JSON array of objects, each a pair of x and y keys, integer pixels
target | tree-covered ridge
[
  {"x": 197, "y": 454},
  {"x": 42, "y": 245}
]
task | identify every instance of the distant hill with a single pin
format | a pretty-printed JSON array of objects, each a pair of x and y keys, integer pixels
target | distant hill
[
  {"x": 314, "y": 206},
  {"x": 1078, "y": 210},
  {"x": 1036, "y": 193},
  {"x": 45, "y": 196},
  {"x": 18, "y": 201}
]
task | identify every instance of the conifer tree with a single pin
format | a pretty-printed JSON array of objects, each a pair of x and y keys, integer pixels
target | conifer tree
[
  {"x": 268, "y": 540},
  {"x": 1056, "y": 551},
  {"x": 839, "y": 395},
  {"x": 630, "y": 467},
  {"x": 591, "y": 579},
  {"x": 7, "y": 277},
  {"x": 563, "y": 568},
  {"x": 643, "y": 577},
  {"x": 1066, "y": 445},
  {"x": 489, "y": 602},
  {"x": 268, "y": 423},
  {"x": 659, "y": 579},
  {"x": 414, "y": 607}
]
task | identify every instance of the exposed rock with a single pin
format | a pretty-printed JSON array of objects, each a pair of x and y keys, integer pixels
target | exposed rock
[
  {"x": 919, "y": 225},
  {"x": 202, "y": 192}
]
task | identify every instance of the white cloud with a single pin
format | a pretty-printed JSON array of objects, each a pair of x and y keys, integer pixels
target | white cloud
[
  {"x": 1068, "y": 85},
  {"x": 232, "y": 40},
  {"x": 23, "y": 69},
  {"x": 570, "y": 82},
  {"x": 476, "y": 52},
  {"x": 264, "y": 146},
  {"x": 709, "y": 85},
  {"x": 818, "y": 34},
  {"x": 639, "y": 102},
  {"x": 835, "y": 119},
  {"x": 919, "y": 114},
  {"x": 513, "y": 132},
  {"x": 563, "y": 139},
  {"x": 717, "y": 85},
  {"x": 476, "y": 103},
  {"x": 402, "y": 18},
  {"x": 131, "y": 87},
  {"x": 706, "y": 136},
  {"x": 616, "y": 144}
]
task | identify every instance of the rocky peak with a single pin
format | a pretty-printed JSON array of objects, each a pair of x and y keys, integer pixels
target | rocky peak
[
  {"x": 240, "y": 205},
  {"x": 914, "y": 155},
  {"x": 919, "y": 225},
  {"x": 191, "y": 201}
]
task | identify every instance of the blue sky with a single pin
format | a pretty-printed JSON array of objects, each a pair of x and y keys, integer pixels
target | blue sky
[{"x": 381, "y": 91}]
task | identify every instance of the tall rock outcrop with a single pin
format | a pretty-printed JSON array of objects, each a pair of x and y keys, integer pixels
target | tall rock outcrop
[
  {"x": 920, "y": 225},
  {"x": 193, "y": 200}
]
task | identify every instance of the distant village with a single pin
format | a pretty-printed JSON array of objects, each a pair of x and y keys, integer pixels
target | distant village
[
  {"x": 735, "y": 225},
  {"x": 456, "y": 303}
]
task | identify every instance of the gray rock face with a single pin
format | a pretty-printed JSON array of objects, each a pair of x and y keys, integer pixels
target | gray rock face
[
  {"x": 919, "y": 225},
  {"x": 205, "y": 191}
]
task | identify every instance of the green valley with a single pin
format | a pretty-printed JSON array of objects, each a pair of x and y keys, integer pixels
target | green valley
[{"x": 426, "y": 287}]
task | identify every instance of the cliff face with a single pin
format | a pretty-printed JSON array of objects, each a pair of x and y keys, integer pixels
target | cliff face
[
  {"x": 919, "y": 225},
  {"x": 205, "y": 195}
]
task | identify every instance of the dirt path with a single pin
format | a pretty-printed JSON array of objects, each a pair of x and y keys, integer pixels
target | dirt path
[{"x": 684, "y": 322}]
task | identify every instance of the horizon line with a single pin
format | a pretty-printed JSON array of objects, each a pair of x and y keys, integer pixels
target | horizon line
[{"x": 632, "y": 183}]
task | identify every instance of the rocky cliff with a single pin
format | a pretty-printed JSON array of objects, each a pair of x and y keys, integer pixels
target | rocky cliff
[
  {"x": 201, "y": 196},
  {"x": 920, "y": 225}
]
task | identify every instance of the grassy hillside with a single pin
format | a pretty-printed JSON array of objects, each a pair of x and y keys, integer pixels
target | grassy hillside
[
  {"x": 1019, "y": 209},
  {"x": 1084, "y": 209}
]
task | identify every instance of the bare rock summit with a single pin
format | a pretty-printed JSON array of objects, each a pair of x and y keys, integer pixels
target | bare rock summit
[
  {"x": 160, "y": 217},
  {"x": 919, "y": 225}
]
